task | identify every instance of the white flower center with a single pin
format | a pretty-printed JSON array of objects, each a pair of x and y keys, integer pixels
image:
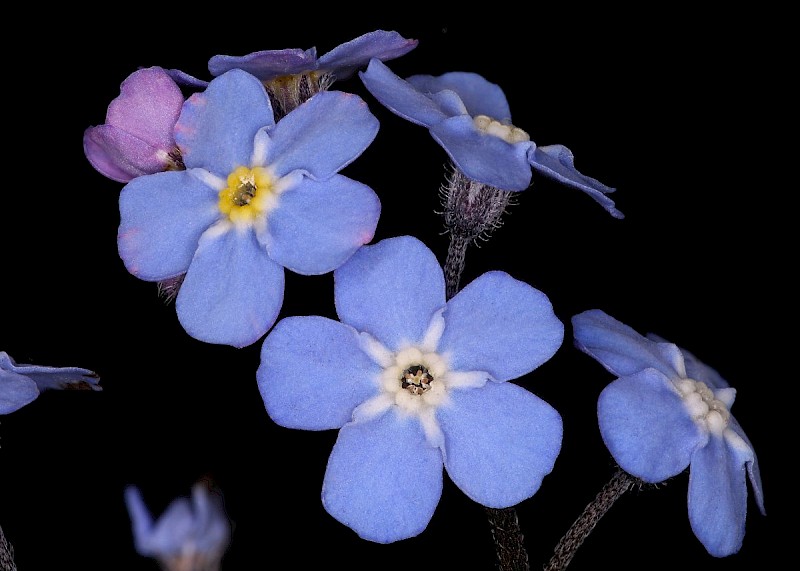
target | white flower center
[
  {"x": 509, "y": 133},
  {"x": 707, "y": 411}
]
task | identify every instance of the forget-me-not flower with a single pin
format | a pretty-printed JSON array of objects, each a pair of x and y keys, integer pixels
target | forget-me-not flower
[
  {"x": 21, "y": 384},
  {"x": 137, "y": 138},
  {"x": 667, "y": 411},
  {"x": 191, "y": 534},
  {"x": 417, "y": 385},
  {"x": 257, "y": 197},
  {"x": 470, "y": 118},
  {"x": 293, "y": 75}
]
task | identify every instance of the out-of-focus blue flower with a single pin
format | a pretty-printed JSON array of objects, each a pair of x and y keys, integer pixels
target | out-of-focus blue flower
[
  {"x": 667, "y": 411},
  {"x": 136, "y": 138},
  {"x": 191, "y": 534},
  {"x": 21, "y": 384},
  {"x": 256, "y": 197},
  {"x": 292, "y": 76},
  {"x": 415, "y": 384},
  {"x": 470, "y": 118}
]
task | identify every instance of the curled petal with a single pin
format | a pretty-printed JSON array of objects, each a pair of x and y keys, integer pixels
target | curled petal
[
  {"x": 383, "y": 479},
  {"x": 15, "y": 391},
  {"x": 557, "y": 162},
  {"x": 483, "y": 157},
  {"x": 480, "y": 97},
  {"x": 266, "y": 65},
  {"x": 620, "y": 349},
  {"x": 399, "y": 96},
  {"x": 346, "y": 58}
]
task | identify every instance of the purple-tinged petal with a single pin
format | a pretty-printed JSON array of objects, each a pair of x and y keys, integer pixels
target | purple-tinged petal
[
  {"x": 45, "y": 377},
  {"x": 383, "y": 479},
  {"x": 233, "y": 291},
  {"x": 148, "y": 107},
  {"x": 212, "y": 526},
  {"x": 313, "y": 373},
  {"x": 481, "y": 97},
  {"x": 500, "y": 325},
  {"x": 319, "y": 225},
  {"x": 217, "y": 127},
  {"x": 399, "y": 96},
  {"x": 183, "y": 78},
  {"x": 346, "y": 58},
  {"x": 266, "y": 65},
  {"x": 483, "y": 157},
  {"x": 323, "y": 135},
  {"x": 718, "y": 498},
  {"x": 557, "y": 162},
  {"x": 646, "y": 427},
  {"x": 161, "y": 219},
  {"x": 620, "y": 349},
  {"x": 699, "y": 371},
  {"x": 390, "y": 290},
  {"x": 501, "y": 441},
  {"x": 15, "y": 391},
  {"x": 141, "y": 521},
  {"x": 120, "y": 156}
]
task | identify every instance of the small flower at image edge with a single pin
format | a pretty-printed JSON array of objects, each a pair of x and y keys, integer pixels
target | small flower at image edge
[
  {"x": 137, "y": 138},
  {"x": 666, "y": 412},
  {"x": 22, "y": 384},
  {"x": 257, "y": 197},
  {"x": 191, "y": 535},
  {"x": 417, "y": 385},
  {"x": 470, "y": 118}
]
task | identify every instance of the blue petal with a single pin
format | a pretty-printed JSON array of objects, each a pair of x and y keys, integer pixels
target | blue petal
[
  {"x": 323, "y": 135},
  {"x": 483, "y": 157},
  {"x": 717, "y": 498},
  {"x": 390, "y": 290},
  {"x": 481, "y": 97},
  {"x": 52, "y": 377},
  {"x": 217, "y": 127},
  {"x": 346, "y": 58},
  {"x": 162, "y": 217},
  {"x": 267, "y": 65},
  {"x": 557, "y": 162},
  {"x": 620, "y": 349},
  {"x": 383, "y": 479},
  {"x": 233, "y": 291},
  {"x": 15, "y": 391},
  {"x": 699, "y": 371},
  {"x": 646, "y": 426},
  {"x": 319, "y": 225},
  {"x": 745, "y": 453},
  {"x": 500, "y": 325},
  {"x": 399, "y": 96},
  {"x": 183, "y": 78},
  {"x": 501, "y": 441},
  {"x": 141, "y": 521},
  {"x": 313, "y": 373}
]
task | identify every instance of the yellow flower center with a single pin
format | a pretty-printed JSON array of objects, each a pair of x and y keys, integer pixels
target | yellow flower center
[
  {"x": 509, "y": 133},
  {"x": 248, "y": 194}
]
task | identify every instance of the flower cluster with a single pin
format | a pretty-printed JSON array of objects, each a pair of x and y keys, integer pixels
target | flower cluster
[{"x": 230, "y": 182}]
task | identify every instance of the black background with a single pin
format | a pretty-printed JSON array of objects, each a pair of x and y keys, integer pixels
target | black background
[{"x": 661, "y": 106}]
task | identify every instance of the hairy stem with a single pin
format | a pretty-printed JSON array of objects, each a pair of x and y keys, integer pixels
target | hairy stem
[
  {"x": 616, "y": 487},
  {"x": 508, "y": 540},
  {"x": 6, "y": 554}
]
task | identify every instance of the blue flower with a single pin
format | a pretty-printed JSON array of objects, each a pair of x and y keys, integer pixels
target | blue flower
[
  {"x": 293, "y": 75},
  {"x": 22, "y": 384},
  {"x": 416, "y": 384},
  {"x": 470, "y": 118},
  {"x": 137, "y": 138},
  {"x": 190, "y": 534},
  {"x": 256, "y": 197},
  {"x": 667, "y": 411}
]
